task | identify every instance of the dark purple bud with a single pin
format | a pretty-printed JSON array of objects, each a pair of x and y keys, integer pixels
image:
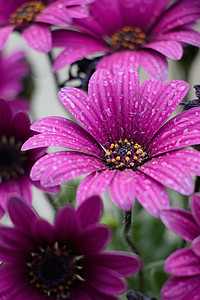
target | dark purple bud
[{"x": 132, "y": 295}]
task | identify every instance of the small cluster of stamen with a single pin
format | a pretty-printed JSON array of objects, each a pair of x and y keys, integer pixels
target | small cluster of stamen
[
  {"x": 125, "y": 155},
  {"x": 128, "y": 38},
  {"x": 53, "y": 270},
  {"x": 27, "y": 12},
  {"x": 12, "y": 159}
]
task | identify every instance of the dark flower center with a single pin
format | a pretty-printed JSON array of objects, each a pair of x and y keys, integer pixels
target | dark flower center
[
  {"x": 125, "y": 155},
  {"x": 128, "y": 38},
  {"x": 12, "y": 160},
  {"x": 27, "y": 12},
  {"x": 53, "y": 270}
]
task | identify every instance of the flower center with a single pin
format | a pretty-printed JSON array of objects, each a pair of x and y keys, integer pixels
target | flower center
[
  {"x": 12, "y": 160},
  {"x": 128, "y": 38},
  {"x": 27, "y": 12},
  {"x": 125, "y": 155},
  {"x": 53, "y": 270}
]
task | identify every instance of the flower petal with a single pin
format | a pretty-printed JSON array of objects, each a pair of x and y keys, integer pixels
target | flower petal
[
  {"x": 122, "y": 189},
  {"x": 56, "y": 168},
  {"x": 38, "y": 37},
  {"x": 171, "y": 49},
  {"x": 151, "y": 194},
  {"x": 122, "y": 262},
  {"x": 105, "y": 280},
  {"x": 5, "y": 32},
  {"x": 66, "y": 225},
  {"x": 196, "y": 246},
  {"x": 165, "y": 171},
  {"x": 77, "y": 46},
  {"x": 183, "y": 262},
  {"x": 21, "y": 214},
  {"x": 90, "y": 211},
  {"x": 157, "y": 102},
  {"x": 181, "y": 222},
  {"x": 180, "y": 288},
  {"x": 187, "y": 36},
  {"x": 115, "y": 61},
  {"x": 92, "y": 239},
  {"x": 44, "y": 232},
  {"x": 61, "y": 132},
  {"x": 154, "y": 63},
  {"x": 181, "y": 131},
  {"x": 195, "y": 207},
  {"x": 94, "y": 184}
]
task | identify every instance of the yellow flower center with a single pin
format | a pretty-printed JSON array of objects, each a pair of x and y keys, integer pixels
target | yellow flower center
[
  {"x": 128, "y": 38},
  {"x": 125, "y": 155},
  {"x": 27, "y": 12}
]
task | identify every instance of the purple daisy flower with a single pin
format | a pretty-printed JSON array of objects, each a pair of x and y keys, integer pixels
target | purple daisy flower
[
  {"x": 64, "y": 260},
  {"x": 34, "y": 18},
  {"x": 123, "y": 142},
  {"x": 15, "y": 165},
  {"x": 132, "y": 33},
  {"x": 13, "y": 69},
  {"x": 184, "y": 264}
]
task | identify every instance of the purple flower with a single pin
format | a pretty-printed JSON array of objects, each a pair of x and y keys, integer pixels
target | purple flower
[
  {"x": 33, "y": 18},
  {"x": 13, "y": 69},
  {"x": 132, "y": 33},
  {"x": 123, "y": 142},
  {"x": 184, "y": 264},
  {"x": 15, "y": 164},
  {"x": 64, "y": 260}
]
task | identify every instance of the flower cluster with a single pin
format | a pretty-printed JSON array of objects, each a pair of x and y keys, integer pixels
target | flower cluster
[{"x": 127, "y": 136}]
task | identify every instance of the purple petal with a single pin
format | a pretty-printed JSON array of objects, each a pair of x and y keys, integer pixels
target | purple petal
[
  {"x": 55, "y": 14},
  {"x": 15, "y": 239},
  {"x": 58, "y": 131},
  {"x": 66, "y": 225},
  {"x": 8, "y": 189},
  {"x": 154, "y": 63},
  {"x": 106, "y": 281},
  {"x": 180, "y": 288},
  {"x": 21, "y": 214},
  {"x": 183, "y": 262},
  {"x": 94, "y": 184},
  {"x": 10, "y": 278},
  {"x": 92, "y": 239},
  {"x": 151, "y": 194},
  {"x": 122, "y": 262},
  {"x": 166, "y": 171},
  {"x": 186, "y": 36},
  {"x": 196, "y": 246},
  {"x": 122, "y": 189},
  {"x": 183, "y": 12},
  {"x": 44, "y": 232},
  {"x": 181, "y": 222},
  {"x": 86, "y": 111},
  {"x": 19, "y": 104},
  {"x": 48, "y": 190},
  {"x": 38, "y": 37},
  {"x": 115, "y": 61},
  {"x": 195, "y": 207},
  {"x": 77, "y": 46},
  {"x": 6, "y": 114},
  {"x": 171, "y": 49},
  {"x": 90, "y": 211},
  {"x": 181, "y": 131},
  {"x": 157, "y": 102},
  {"x": 21, "y": 126},
  {"x": 56, "y": 168},
  {"x": 126, "y": 93},
  {"x": 4, "y": 34}
]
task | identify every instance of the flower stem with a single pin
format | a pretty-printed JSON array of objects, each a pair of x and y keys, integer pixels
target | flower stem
[{"x": 126, "y": 235}]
